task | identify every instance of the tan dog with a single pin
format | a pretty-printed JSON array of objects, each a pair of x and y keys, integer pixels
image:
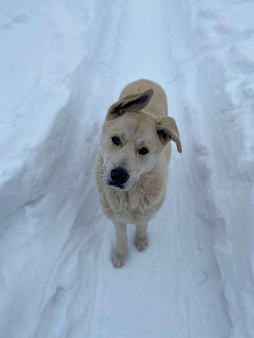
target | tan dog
[{"x": 132, "y": 167}]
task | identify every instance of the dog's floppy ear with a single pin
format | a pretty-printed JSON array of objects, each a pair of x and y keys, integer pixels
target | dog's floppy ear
[
  {"x": 167, "y": 129},
  {"x": 133, "y": 102}
]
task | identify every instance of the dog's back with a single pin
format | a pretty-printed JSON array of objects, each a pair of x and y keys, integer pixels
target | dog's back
[{"x": 158, "y": 104}]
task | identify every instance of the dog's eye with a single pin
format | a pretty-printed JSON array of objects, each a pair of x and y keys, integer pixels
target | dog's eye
[
  {"x": 143, "y": 151},
  {"x": 116, "y": 140}
]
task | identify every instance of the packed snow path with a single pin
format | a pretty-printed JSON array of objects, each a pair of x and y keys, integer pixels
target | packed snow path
[{"x": 64, "y": 64}]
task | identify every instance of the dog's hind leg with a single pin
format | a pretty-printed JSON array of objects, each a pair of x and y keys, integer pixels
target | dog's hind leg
[
  {"x": 120, "y": 252},
  {"x": 141, "y": 238}
]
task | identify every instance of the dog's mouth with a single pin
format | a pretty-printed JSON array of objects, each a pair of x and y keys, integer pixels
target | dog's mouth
[{"x": 117, "y": 186}]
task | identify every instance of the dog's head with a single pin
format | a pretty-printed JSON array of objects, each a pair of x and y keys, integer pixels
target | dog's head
[{"x": 132, "y": 140}]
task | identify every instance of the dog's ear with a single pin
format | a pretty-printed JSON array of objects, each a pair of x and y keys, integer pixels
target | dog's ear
[
  {"x": 167, "y": 129},
  {"x": 133, "y": 102}
]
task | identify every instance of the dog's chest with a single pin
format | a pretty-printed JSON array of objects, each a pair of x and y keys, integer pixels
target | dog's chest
[{"x": 137, "y": 206}]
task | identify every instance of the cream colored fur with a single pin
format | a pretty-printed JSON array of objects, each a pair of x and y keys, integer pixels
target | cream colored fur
[{"x": 139, "y": 119}]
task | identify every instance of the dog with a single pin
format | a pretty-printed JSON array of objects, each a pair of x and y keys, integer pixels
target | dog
[{"x": 133, "y": 159}]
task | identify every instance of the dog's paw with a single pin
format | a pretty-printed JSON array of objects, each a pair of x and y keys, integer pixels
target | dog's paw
[
  {"x": 141, "y": 243},
  {"x": 118, "y": 260}
]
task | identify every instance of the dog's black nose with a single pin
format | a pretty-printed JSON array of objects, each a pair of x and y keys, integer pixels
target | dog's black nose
[{"x": 119, "y": 175}]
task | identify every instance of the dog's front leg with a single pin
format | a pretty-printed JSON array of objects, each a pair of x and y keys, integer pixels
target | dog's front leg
[
  {"x": 141, "y": 238},
  {"x": 120, "y": 252}
]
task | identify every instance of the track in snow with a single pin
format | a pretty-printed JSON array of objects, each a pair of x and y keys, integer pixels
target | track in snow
[{"x": 173, "y": 289}]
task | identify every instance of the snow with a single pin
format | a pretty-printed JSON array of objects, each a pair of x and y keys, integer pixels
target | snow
[{"x": 62, "y": 65}]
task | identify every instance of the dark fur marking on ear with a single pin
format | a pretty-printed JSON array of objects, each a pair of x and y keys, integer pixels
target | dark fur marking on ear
[
  {"x": 163, "y": 135},
  {"x": 141, "y": 100},
  {"x": 118, "y": 111}
]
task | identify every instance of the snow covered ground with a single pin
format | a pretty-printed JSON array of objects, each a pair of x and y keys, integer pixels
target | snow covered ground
[{"x": 63, "y": 63}]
